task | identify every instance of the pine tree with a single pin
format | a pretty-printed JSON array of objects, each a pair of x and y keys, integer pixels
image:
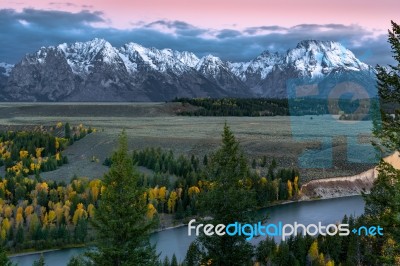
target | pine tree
[
  {"x": 228, "y": 201},
  {"x": 174, "y": 260},
  {"x": 192, "y": 255},
  {"x": 4, "y": 260},
  {"x": 205, "y": 160},
  {"x": 78, "y": 261},
  {"x": 264, "y": 161},
  {"x": 39, "y": 262},
  {"x": 166, "y": 262},
  {"x": 67, "y": 131},
  {"x": 19, "y": 238},
  {"x": 382, "y": 203},
  {"x": 254, "y": 164},
  {"x": 120, "y": 221}
]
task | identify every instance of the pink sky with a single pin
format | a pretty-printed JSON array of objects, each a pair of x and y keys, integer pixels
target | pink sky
[{"x": 230, "y": 13}]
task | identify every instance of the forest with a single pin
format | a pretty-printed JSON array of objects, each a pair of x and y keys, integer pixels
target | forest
[
  {"x": 41, "y": 214},
  {"x": 253, "y": 107}
]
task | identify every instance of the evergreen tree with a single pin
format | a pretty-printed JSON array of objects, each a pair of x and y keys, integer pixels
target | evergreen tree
[
  {"x": 193, "y": 255},
  {"x": 166, "y": 262},
  {"x": 227, "y": 201},
  {"x": 120, "y": 221},
  {"x": 205, "y": 160},
  {"x": 254, "y": 164},
  {"x": 382, "y": 204},
  {"x": 264, "y": 161},
  {"x": 81, "y": 230},
  {"x": 19, "y": 238},
  {"x": 174, "y": 260},
  {"x": 67, "y": 131},
  {"x": 39, "y": 262},
  {"x": 78, "y": 261},
  {"x": 4, "y": 260}
]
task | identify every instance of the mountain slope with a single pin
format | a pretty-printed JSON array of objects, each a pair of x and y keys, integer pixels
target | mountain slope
[{"x": 97, "y": 71}]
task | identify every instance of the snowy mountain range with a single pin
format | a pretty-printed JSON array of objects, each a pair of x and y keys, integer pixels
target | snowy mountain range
[{"x": 97, "y": 71}]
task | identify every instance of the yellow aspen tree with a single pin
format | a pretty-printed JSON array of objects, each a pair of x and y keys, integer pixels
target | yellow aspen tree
[
  {"x": 45, "y": 220},
  {"x": 66, "y": 213},
  {"x": 162, "y": 194},
  {"x": 313, "y": 251},
  {"x": 321, "y": 259},
  {"x": 23, "y": 154},
  {"x": 296, "y": 185},
  {"x": 330, "y": 263},
  {"x": 172, "y": 201},
  {"x": 79, "y": 213},
  {"x": 95, "y": 192},
  {"x": 8, "y": 211},
  {"x": 263, "y": 181},
  {"x": 19, "y": 219},
  {"x": 156, "y": 191},
  {"x": 38, "y": 152},
  {"x": 290, "y": 189},
  {"x": 193, "y": 191},
  {"x": 59, "y": 212},
  {"x": 151, "y": 211},
  {"x": 3, "y": 234},
  {"x": 51, "y": 217},
  {"x": 28, "y": 210},
  {"x": 151, "y": 194},
  {"x": 90, "y": 210},
  {"x": 5, "y": 224}
]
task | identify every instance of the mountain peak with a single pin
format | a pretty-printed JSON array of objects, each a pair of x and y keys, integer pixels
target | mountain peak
[
  {"x": 316, "y": 58},
  {"x": 320, "y": 44},
  {"x": 211, "y": 59},
  {"x": 96, "y": 66}
]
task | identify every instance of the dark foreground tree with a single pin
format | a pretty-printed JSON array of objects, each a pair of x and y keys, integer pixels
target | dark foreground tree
[
  {"x": 40, "y": 262},
  {"x": 228, "y": 200},
  {"x": 4, "y": 260},
  {"x": 383, "y": 203},
  {"x": 122, "y": 228}
]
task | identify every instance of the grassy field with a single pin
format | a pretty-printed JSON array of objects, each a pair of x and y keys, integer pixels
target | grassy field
[{"x": 157, "y": 125}]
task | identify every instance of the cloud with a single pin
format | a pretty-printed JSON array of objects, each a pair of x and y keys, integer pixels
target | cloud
[{"x": 28, "y": 30}]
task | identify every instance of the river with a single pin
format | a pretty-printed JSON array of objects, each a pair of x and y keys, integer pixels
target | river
[{"x": 176, "y": 241}]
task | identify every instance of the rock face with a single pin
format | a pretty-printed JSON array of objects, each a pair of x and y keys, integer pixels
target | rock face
[
  {"x": 97, "y": 71},
  {"x": 345, "y": 186}
]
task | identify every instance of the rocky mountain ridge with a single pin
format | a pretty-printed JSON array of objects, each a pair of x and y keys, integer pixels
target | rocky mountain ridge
[{"x": 97, "y": 71}]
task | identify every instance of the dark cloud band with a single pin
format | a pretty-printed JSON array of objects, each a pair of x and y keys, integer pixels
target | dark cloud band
[{"x": 28, "y": 30}]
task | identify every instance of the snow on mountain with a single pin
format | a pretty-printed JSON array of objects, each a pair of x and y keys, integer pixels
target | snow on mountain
[
  {"x": 81, "y": 56},
  {"x": 135, "y": 55},
  {"x": 260, "y": 66},
  {"x": 210, "y": 65},
  {"x": 318, "y": 58},
  {"x": 140, "y": 73},
  {"x": 238, "y": 68},
  {"x": 219, "y": 72},
  {"x": 187, "y": 58},
  {"x": 5, "y": 69}
]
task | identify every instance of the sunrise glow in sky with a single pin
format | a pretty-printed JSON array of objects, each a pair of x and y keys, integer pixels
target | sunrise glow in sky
[{"x": 234, "y": 30}]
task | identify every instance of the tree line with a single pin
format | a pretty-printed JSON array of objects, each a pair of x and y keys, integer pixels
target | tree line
[{"x": 273, "y": 107}]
